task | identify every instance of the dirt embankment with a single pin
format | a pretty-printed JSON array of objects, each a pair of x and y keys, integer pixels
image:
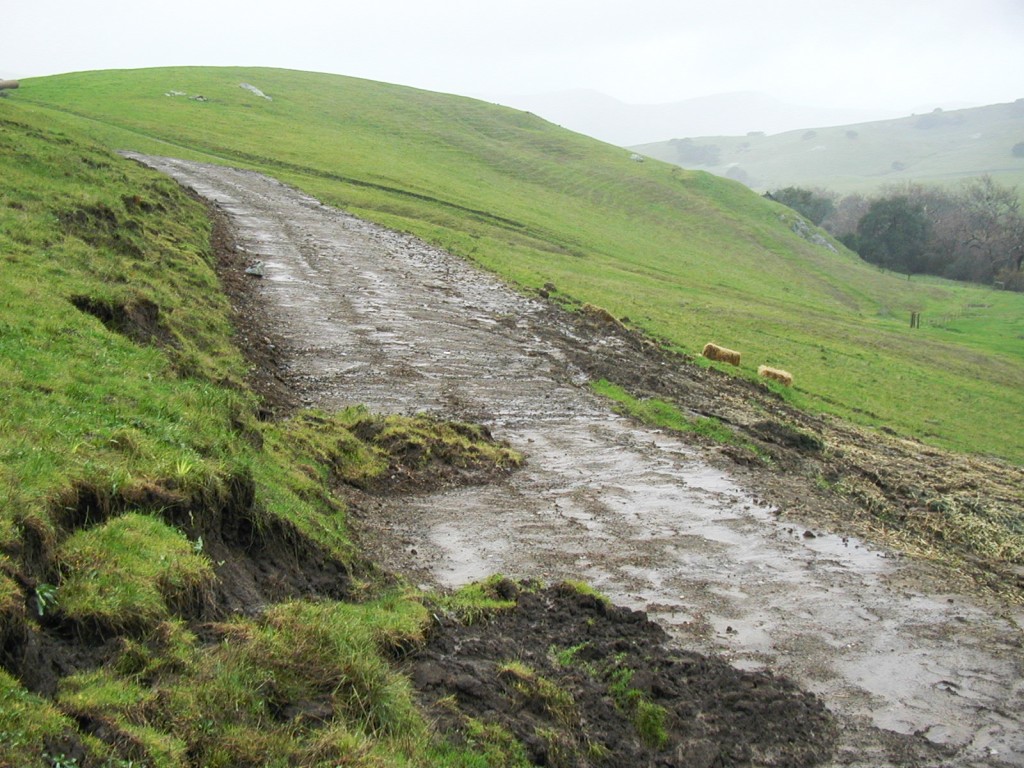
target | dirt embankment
[{"x": 744, "y": 561}]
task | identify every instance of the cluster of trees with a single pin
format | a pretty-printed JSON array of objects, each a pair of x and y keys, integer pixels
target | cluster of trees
[{"x": 975, "y": 232}]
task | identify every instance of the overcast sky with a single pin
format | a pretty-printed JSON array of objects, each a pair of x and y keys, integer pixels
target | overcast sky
[{"x": 898, "y": 55}]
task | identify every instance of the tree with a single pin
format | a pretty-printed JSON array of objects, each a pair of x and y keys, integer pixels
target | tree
[
  {"x": 815, "y": 205},
  {"x": 894, "y": 234},
  {"x": 993, "y": 228},
  {"x": 848, "y": 212},
  {"x": 975, "y": 232}
]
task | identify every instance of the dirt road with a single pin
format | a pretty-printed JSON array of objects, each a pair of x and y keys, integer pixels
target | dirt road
[{"x": 915, "y": 674}]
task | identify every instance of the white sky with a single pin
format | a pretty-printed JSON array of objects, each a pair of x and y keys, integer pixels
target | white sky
[{"x": 872, "y": 54}]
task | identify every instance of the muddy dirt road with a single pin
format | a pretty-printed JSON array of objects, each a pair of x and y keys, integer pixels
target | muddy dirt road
[{"x": 916, "y": 675}]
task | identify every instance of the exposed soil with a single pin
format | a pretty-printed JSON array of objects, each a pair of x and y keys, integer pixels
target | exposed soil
[
  {"x": 758, "y": 569},
  {"x": 715, "y": 714}
]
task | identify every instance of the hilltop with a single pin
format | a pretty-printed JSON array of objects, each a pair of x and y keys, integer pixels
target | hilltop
[{"x": 936, "y": 147}]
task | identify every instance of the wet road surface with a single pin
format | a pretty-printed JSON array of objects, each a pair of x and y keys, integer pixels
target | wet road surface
[{"x": 370, "y": 316}]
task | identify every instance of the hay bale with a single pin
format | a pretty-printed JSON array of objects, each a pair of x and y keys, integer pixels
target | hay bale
[
  {"x": 776, "y": 374},
  {"x": 723, "y": 355},
  {"x": 600, "y": 315}
]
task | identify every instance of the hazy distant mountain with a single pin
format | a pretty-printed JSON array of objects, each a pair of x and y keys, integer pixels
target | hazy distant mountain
[
  {"x": 606, "y": 118},
  {"x": 936, "y": 146}
]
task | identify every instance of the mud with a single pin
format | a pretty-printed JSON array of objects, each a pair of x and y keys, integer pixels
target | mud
[
  {"x": 715, "y": 714},
  {"x": 757, "y": 566}
]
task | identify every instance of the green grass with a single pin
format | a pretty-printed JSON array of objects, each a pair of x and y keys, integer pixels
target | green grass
[
  {"x": 648, "y": 717},
  {"x": 26, "y": 723},
  {"x": 222, "y": 705},
  {"x": 554, "y": 700},
  {"x": 478, "y": 600},
  {"x": 660, "y": 413},
  {"x": 130, "y": 572},
  {"x": 687, "y": 257},
  {"x": 125, "y": 420}
]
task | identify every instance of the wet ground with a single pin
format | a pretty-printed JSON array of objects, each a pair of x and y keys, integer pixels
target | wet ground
[{"x": 730, "y": 561}]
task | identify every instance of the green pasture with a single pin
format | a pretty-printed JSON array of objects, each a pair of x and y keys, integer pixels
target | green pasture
[{"x": 685, "y": 256}]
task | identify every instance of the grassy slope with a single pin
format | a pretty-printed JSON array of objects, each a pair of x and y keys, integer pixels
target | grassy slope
[
  {"x": 121, "y": 453},
  {"x": 936, "y": 148},
  {"x": 686, "y": 256}
]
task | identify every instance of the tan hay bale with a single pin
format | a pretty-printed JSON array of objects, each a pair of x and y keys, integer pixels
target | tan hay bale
[
  {"x": 715, "y": 352},
  {"x": 779, "y": 375},
  {"x": 600, "y": 314}
]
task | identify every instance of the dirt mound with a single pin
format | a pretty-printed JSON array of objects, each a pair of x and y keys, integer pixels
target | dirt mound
[{"x": 574, "y": 678}]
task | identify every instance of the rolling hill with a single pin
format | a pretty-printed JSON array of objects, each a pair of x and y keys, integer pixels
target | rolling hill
[
  {"x": 608, "y": 119},
  {"x": 937, "y": 147},
  {"x": 685, "y": 256},
  {"x": 179, "y": 579}
]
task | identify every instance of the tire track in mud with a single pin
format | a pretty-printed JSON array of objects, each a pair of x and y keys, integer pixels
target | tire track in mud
[{"x": 366, "y": 315}]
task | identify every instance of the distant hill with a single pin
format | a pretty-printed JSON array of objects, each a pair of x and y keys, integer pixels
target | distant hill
[
  {"x": 936, "y": 146},
  {"x": 616, "y": 122}
]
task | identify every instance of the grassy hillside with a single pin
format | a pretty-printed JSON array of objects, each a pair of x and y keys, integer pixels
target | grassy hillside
[
  {"x": 938, "y": 147},
  {"x": 140, "y": 498},
  {"x": 684, "y": 255}
]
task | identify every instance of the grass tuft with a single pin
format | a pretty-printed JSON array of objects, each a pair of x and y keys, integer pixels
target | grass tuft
[
  {"x": 130, "y": 573},
  {"x": 660, "y": 413}
]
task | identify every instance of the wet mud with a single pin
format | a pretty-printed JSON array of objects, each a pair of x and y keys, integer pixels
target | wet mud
[{"x": 741, "y": 562}]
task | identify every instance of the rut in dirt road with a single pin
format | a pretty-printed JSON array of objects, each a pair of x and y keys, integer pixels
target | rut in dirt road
[{"x": 370, "y": 316}]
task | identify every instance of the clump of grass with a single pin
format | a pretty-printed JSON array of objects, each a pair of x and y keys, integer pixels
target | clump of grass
[
  {"x": 122, "y": 706},
  {"x": 418, "y": 441},
  {"x": 480, "y": 600},
  {"x": 660, "y": 413},
  {"x": 336, "y": 648},
  {"x": 583, "y": 588},
  {"x": 11, "y": 600},
  {"x": 556, "y": 701},
  {"x": 324, "y": 448},
  {"x": 647, "y": 716},
  {"x": 26, "y": 722},
  {"x": 130, "y": 572},
  {"x": 567, "y": 657},
  {"x": 566, "y": 739},
  {"x": 297, "y": 655}
]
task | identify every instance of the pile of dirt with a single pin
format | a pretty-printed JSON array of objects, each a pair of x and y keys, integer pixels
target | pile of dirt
[{"x": 565, "y": 672}]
